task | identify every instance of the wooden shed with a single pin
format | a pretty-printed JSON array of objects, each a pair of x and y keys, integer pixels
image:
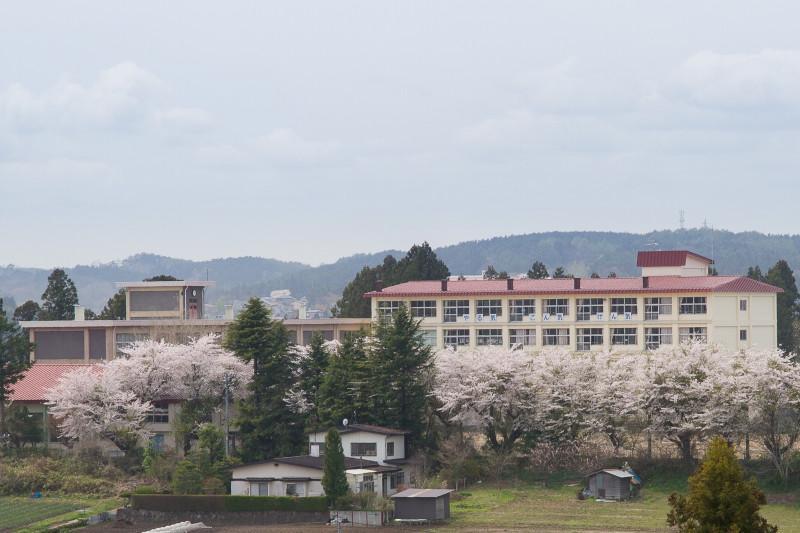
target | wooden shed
[
  {"x": 422, "y": 504},
  {"x": 610, "y": 484}
]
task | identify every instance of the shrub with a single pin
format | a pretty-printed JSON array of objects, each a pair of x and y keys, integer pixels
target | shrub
[
  {"x": 214, "y": 485},
  {"x": 188, "y": 479},
  {"x": 227, "y": 503},
  {"x": 146, "y": 489},
  {"x": 86, "y": 485}
]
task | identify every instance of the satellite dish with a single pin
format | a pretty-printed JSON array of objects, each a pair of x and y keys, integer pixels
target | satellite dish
[{"x": 345, "y": 422}]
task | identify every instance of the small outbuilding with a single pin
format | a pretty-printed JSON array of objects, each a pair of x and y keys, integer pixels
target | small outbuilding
[
  {"x": 611, "y": 484},
  {"x": 422, "y": 504}
]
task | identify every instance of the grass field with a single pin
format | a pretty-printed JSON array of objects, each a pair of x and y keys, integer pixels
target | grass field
[
  {"x": 556, "y": 508},
  {"x": 27, "y": 514}
]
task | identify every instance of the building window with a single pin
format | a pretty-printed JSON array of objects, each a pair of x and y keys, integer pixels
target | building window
[
  {"x": 454, "y": 309},
  {"x": 742, "y": 334},
  {"x": 390, "y": 449},
  {"x": 125, "y": 340},
  {"x": 742, "y": 305},
  {"x": 487, "y": 308},
  {"x": 259, "y": 489},
  {"x": 588, "y": 307},
  {"x": 654, "y": 307},
  {"x": 519, "y": 309},
  {"x": 320, "y": 448},
  {"x": 326, "y": 334},
  {"x": 388, "y": 309},
  {"x": 363, "y": 449},
  {"x": 456, "y": 337},
  {"x": 367, "y": 483},
  {"x": 693, "y": 305},
  {"x": 295, "y": 489},
  {"x": 555, "y": 337},
  {"x": 623, "y": 336},
  {"x": 522, "y": 337},
  {"x": 396, "y": 479},
  {"x": 620, "y": 306},
  {"x": 692, "y": 334},
  {"x": 489, "y": 337},
  {"x": 423, "y": 308},
  {"x": 588, "y": 337},
  {"x": 429, "y": 337},
  {"x": 655, "y": 337},
  {"x": 157, "y": 415},
  {"x": 555, "y": 306}
]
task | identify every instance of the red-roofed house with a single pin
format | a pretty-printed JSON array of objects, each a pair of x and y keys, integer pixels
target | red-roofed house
[{"x": 673, "y": 301}]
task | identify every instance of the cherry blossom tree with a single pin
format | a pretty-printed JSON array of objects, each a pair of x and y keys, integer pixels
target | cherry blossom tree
[
  {"x": 112, "y": 399},
  {"x": 91, "y": 403},
  {"x": 496, "y": 388}
]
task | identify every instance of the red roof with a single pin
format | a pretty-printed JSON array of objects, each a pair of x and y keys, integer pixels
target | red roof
[
  {"x": 667, "y": 258},
  {"x": 39, "y": 378},
  {"x": 656, "y": 284}
]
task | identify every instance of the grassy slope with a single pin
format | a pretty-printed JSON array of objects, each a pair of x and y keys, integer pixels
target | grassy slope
[{"x": 556, "y": 508}]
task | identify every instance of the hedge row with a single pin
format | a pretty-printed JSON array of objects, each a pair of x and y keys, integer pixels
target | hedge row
[{"x": 168, "y": 502}]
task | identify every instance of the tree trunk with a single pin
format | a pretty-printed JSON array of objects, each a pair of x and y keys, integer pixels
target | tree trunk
[
  {"x": 2, "y": 416},
  {"x": 747, "y": 446},
  {"x": 649, "y": 445}
]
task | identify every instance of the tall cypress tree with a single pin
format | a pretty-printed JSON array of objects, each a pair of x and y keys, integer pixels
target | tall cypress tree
[
  {"x": 334, "y": 479},
  {"x": 781, "y": 275},
  {"x": 15, "y": 351},
  {"x": 60, "y": 297},
  {"x": 312, "y": 374},
  {"x": 266, "y": 424},
  {"x": 401, "y": 365}
]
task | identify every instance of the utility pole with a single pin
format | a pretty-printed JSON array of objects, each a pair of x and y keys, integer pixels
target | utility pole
[{"x": 226, "y": 380}]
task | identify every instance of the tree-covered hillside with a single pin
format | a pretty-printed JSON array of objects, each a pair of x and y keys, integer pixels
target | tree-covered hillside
[{"x": 579, "y": 252}]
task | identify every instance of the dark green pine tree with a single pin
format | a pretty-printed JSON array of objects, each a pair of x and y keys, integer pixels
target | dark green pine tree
[
  {"x": 538, "y": 271},
  {"x": 312, "y": 373},
  {"x": 755, "y": 273},
  {"x": 115, "y": 307},
  {"x": 334, "y": 479},
  {"x": 266, "y": 424},
  {"x": 59, "y": 298},
  {"x": 559, "y": 272},
  {"x": 15, "y": 351},
  {"x": 352, "y": 304},
  {"x": 490, "y": 273},
  {"x": 345, "y": 389},
  {"x": 29, "y": 310},
  {"x": 420, "y": 263},
  {"x": 781, "y": 275},
  {"x": 401, "y": 365}
]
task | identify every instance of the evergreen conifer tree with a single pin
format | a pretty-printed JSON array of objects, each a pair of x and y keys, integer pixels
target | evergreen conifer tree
[
  {"x": 312, "y": 374},
  {"x": 115, "y": 307},
  {"x": 267, "y": 425},
  {"x": 720, "y": 498},
  {"x": 538, "y": 271},
  {"x": 29, "y": 310},
  {"x": 15, "y": 351},
  {"x": 344, "y": 390},
  {"x": 401, "y": 366},
  {"x": 781, "y": 275},
  {"x": 60, "y": 297},
  {"x": 334, "y": 479}
]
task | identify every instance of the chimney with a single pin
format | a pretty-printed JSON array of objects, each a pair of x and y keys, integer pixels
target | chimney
[
  {"x": 80, "y": 312},
  {"x": 228, "y": 312},
  {"x": 444, "y": 285},
  {"x": 576, "y": 283},
  {"x": 379, "y": 285},
  {"x": 510, "y": 284},
  {"x": 645, "y": 282}
]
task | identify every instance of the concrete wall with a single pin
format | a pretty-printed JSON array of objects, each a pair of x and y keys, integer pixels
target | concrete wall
[{"x": 149, "y": 519}]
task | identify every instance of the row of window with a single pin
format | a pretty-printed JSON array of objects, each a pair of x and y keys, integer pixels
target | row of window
[
  {"x": 519, "y": 309},
  {"x": 585, "y": 337}
]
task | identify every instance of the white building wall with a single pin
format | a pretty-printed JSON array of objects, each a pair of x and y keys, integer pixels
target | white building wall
[{"x": 279, "y": 471}]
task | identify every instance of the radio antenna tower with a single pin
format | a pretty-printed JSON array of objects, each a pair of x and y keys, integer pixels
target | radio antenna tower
[{"x": 682, "y": 219}]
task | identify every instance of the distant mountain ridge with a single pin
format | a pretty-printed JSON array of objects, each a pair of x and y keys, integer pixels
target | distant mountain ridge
[{"x": 579, "y": 252}]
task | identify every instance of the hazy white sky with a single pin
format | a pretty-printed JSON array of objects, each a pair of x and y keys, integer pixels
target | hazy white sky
[{"x": 312, "y": 130}]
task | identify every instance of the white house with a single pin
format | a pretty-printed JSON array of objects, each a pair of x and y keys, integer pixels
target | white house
[{"x": 374, "y": 462}]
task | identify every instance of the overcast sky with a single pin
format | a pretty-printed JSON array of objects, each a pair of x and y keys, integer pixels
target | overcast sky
[{"x": 313, "y": 130}]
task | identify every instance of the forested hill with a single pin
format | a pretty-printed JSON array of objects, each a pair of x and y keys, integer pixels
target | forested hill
[{"x": 580, "y": 253}]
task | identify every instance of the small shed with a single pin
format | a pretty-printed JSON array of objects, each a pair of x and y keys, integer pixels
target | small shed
[
  {"x": 610, "y": 484},
  {"x": 422, "y": 504}
]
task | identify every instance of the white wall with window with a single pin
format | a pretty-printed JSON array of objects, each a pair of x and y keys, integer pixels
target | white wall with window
[
  {"x": 556, "y": 306},
  {"x": 488, "y": 309},
  {"x": 456, "y": 337},
  {"x": 423, "y": 308},
  {"x": 623, "y": 336},
  {"x": 588, "y": 308},
  {"x": 388, "y": 308},
  {"x": 694, "y": 333},
  {"x": 455, "y": 310},
  {"x": 587, "y": 338},
  {"x": 522, "y": 337},
  {"x": 655, "y": 308},
  {"x": 623, "y": 306},
  {"x": 655, "y": 337},
  {"x": 555, "y": 337},
  {"x": 693, "y": 305},
  {"x": 489, "y": 337},
  {"x": 520, "y": 310}
]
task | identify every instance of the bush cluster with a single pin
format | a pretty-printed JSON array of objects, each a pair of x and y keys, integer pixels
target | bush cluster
[{"x": 66, "y": 475}]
